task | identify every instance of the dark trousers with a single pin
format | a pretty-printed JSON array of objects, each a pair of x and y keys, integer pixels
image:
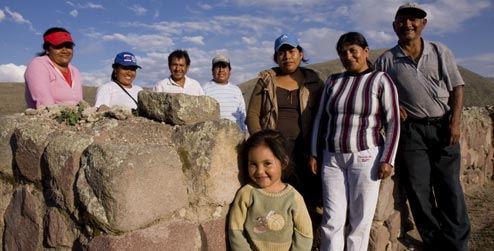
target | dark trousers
[{"x": 430, "y": 170}]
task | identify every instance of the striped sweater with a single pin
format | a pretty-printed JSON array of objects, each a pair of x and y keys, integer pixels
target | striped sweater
[{"x": 352, "y": 112}]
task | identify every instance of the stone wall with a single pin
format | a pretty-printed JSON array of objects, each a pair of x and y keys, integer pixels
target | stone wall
[{"x": 114, "y": 181}]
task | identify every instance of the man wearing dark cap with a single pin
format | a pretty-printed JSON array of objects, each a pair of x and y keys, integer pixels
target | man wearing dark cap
[
  {"x": 428, "y": 162},
  {"x": 229, "y": 96}
]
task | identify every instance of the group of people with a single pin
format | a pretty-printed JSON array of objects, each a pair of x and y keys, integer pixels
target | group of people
[
  {"x": 51, "y": 79},
  {"x": 316, "y": 151},
  {"x": 402, "y": 111}
]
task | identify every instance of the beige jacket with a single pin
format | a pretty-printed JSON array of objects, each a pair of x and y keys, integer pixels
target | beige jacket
[{"x": 262, "y": 112}]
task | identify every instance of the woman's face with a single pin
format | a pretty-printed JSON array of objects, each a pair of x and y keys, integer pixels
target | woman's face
[
  {"x": 354, "y": 58},
  {"x": 61, "y": 55},
  {"x": 125, "y": 75},
  {"x": 289, "y": 59}
]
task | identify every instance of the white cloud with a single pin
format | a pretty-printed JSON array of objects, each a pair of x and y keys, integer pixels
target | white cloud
[
  {"x": 2, "y": 15},
  {"x": 18, "y": 18},
  {"x": 138, "y": 10},
  {"x": 483, "y": 64},
  {"x": 74, "y": 13},
  {"x": 450, "y": 15},
  {"x": 96, "y": 78},
  {"x": 319, "y": 43},
  {"x": 380, "y": 37},
  {"x": 151, "y": 42},
  {"x": 277, "y": 3},
  {"x": 196, "y": 39},
  {"x": 249, "y": 40},
  {"x": 205, "y": 6},
  {"x": 91, "y": 5},
  {"x": 12, "y": 73}
]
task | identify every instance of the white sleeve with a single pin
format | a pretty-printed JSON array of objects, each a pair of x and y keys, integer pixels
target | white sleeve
[{"x": 103, "y": 96}]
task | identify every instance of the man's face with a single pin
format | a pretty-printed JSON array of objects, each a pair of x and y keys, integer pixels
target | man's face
[
  {"x": 408, "y": 27},
  {"x": 221, "y": 73},
  {"x": 178, "y": 68}
]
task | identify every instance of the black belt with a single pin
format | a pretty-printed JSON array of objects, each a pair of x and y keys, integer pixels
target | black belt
[{"x": 428, "y": 120}]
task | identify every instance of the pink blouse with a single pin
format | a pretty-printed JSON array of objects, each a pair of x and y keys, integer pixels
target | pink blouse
[{"x": 45, "y": 84}]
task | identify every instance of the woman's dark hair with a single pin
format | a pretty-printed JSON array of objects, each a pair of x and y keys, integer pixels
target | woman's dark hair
[
  {"x": 272, "y": 139},
  {"x": 179, "y": 54},
  {"x": 114, "y": 73},
  {"x": 46, "y": 45},
  {"x": 352, "y": 38},
  {"x": 285, "y": 47}
]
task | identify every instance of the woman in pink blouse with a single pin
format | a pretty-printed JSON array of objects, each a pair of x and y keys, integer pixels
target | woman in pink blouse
[{"x": 50, "y": 78}]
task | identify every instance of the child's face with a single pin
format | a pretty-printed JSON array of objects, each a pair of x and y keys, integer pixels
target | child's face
[{"x": 265, "y": 169}]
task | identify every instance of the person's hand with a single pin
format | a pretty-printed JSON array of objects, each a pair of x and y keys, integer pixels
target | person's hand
[
  {"x": 454, "y": 133},
  {"x": 384, "y": 170},
  {"x": 313, "y": 164},
  {"x": 403, "y": 114}
]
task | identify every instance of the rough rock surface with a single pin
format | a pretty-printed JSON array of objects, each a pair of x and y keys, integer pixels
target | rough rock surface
[
  {"x": 178, "y": 109},
  {"x": 114, "y": 181}
]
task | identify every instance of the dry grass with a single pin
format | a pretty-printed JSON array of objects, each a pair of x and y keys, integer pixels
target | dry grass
[{"x": 12, "y": 97}]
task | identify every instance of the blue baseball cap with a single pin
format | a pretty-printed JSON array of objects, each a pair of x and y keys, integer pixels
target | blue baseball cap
[
  {"x": 126, "y": 59},
  {"x": 289, "y": 39}
]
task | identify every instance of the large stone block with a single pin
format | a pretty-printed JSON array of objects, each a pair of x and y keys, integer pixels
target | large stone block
[
  {"x": 209, "y": 154},
  {"x": 393, "y": 223},
  {"x": 59, "y": 230},
  {"x": 7, "y": 142},
  {"x": 136, "y": 130},
  {"x": 175, "y": 236},
  {"x": 177, "y": 108},
  {"x": 214, "y": 235},
  {"x": 379, "y": 238},
  {"x": 6, "y": 190},
  {"x": 385, "y": 202},
  {"x": 476, "y": 146},
  {"x": 31, "y": 141},
  {"x": 63, "y": 157},
  {"x": 24, "y": 220},
  {"x": 128, "y": 186}
]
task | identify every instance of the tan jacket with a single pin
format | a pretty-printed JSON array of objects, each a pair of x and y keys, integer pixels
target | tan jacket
[{"x": 263, "y": 105}]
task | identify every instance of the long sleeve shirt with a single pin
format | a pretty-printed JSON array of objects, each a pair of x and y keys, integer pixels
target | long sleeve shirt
[
  {"x": 353, "y": 111},
  {"x": 45, "y": 84},
  {"x": 263, "y": 221},
  {"x": 232, "y": 104}
]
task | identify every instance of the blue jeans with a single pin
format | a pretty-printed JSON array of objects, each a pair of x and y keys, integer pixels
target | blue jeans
[{"x": 430, "y": 171}]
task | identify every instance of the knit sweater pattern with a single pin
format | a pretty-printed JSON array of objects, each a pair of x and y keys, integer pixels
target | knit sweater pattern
[{"x": 263, "y": 221}]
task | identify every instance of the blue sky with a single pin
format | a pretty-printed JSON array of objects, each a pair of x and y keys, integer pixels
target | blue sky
[{"x": 243, "y": 30}]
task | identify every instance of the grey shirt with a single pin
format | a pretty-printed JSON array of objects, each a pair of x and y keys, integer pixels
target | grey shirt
[{"x": 423, "y": 87}]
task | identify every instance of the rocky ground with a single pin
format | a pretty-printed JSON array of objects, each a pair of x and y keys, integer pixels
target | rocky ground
[{"x": 480, "y": 210}]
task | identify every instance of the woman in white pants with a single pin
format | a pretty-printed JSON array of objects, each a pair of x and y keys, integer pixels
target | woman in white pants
[{"x": 355, "y": 136}]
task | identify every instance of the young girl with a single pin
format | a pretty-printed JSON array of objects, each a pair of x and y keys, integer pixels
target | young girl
[{"x": 268, "y": 214}]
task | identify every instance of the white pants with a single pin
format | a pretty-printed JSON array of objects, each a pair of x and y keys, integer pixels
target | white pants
[{"x": 350, "y": 184}]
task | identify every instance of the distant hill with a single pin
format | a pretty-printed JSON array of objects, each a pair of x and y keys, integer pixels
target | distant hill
[{"x": 479, "y": 91}]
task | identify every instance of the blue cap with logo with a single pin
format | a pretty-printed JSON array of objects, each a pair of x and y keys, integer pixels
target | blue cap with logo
[
  {"x": 289, "y": 39},
  {"x": 126, "y": 59}
]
